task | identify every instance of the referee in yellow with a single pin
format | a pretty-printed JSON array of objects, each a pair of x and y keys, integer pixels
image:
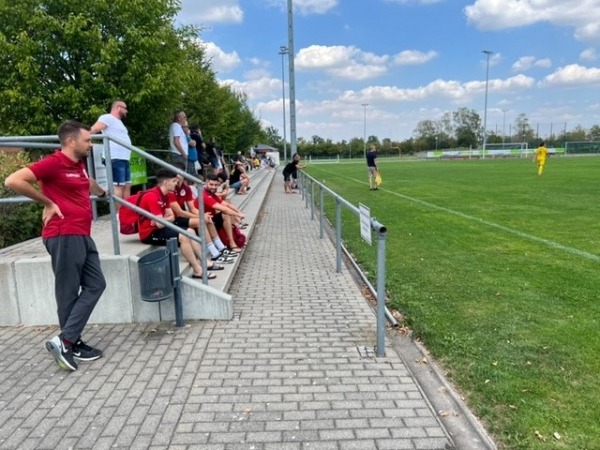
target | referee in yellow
[{"x": 540, "y": 156}]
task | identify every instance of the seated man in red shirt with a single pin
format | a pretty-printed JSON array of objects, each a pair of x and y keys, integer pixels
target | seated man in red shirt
[
  {"x": 151, "y": 232},
  {"x": 223, "y": 215},
  {"x": 181, "y": 201}
]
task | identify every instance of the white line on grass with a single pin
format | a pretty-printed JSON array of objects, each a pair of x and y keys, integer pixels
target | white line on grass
[{"x": 547, "y": 242}]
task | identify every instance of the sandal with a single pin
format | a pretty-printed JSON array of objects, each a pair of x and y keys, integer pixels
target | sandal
[
  {"x": 216, "y": 267},
  {"x": 235, "y": 250},
  {"x": 210, "y": 276}
]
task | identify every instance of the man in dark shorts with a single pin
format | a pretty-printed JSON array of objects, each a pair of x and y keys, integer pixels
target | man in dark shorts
[{"x": 67, "y": 222}]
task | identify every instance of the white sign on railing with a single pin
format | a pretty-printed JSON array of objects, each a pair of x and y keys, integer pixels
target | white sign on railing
[
  {"x": 98, "y": 149},
  {"x": 365, "y": 223}
]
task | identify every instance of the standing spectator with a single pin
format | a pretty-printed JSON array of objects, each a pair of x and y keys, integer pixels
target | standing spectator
[
  {"x": 154, "y": 233},
  {"x": 372, "y": 167},
  {"x": 192, "y": 155},
  {"x": 196, "y": 135},
  {"x": 112, "y": 123},
  {"x": 541, "y": 153},
  {"x": 291, "y": 171},
  {"x": 214, "y": 157},
  {"x": 67, "y": 222},
  {"x": 297, "y": 166},
  {"x": 178, "y": 143}
]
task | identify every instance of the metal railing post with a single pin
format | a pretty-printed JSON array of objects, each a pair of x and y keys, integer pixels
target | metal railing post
[
  {"x": 174, "y": 260},
  {"x": 338, "y": 235},
  {"x": 111, "y": 200},
  {"x": 381, "y": 240},
  {"x": 321, "y": 212},
  {"x": 312, "y": 201}
]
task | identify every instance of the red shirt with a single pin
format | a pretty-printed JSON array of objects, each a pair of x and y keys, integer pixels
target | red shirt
[
  {"x": 182, "y": 195},
  {"x": 210, "y": 200},
  {"x": 155, "y": 202},
  {"x": 67, "y": 184}
]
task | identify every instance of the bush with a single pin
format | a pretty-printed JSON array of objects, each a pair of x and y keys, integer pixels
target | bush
[{"x": 18, "y": 221}]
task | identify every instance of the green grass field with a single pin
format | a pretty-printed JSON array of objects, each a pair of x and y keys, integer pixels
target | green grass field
[{"x": 497, "y": 271}]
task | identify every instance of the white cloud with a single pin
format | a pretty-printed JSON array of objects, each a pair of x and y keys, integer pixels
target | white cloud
[
  {"x": 265, "y": 87},
  {"x": 449, "y": 89},
  {"x": 528, "y": 62},
  {"x": 224, "y": 14},
  {"x": 589, "y": 54},
  {"x": 573, "y": 75},
  {"x": 582, "y": 15},
  {"x": 413, "y": 57},
  {"x": 206, "y": 11},
  {"x": 342, "y": 61},
  {"x": 220, "y": 61},
  {"x": 351, "y": 63}
]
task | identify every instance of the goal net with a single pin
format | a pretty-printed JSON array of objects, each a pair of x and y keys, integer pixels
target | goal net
[{"x": 592, "y": 147}]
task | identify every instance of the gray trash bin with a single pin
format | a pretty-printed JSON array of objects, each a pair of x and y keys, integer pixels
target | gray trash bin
[{"x": 156, "y": 282}]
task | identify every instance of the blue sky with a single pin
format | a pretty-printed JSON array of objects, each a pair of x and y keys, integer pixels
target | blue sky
[{"x": 409, "y": 60}]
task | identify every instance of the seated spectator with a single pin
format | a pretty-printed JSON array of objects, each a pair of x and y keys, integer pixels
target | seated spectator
[
  {"x": 181, "y": 202},
  {"x": 239, "y": 180},
  {"x": 223, "y": 214},
  {"x": 151, "y": 232},
  {"x": 223, "y": 191}
]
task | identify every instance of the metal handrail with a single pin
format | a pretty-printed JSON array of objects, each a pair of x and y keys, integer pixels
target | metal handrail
[
  {"x": 41, "y": 142},
  {"x": 309, "y": 196}
]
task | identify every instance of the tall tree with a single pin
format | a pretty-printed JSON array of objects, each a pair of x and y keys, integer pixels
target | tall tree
[
  {"x": 68, "y": 59},
  {"x": 467, "y": 126},
  {"x": 65, "y": 59},
  {"x": 523, "y": 131}
]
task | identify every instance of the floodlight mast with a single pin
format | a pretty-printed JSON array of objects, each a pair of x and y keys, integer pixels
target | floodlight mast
[
  {"x": 283, "y": 50},
  {"x": 292, "y": 78},
  {"x": 488, "y": 53},
  {"x": 364, "y": 105}
]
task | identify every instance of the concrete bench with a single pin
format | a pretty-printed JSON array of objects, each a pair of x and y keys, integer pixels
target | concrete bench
[{"x": 27, "y": 282}]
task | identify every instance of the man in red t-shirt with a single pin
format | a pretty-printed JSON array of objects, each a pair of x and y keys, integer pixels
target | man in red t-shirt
[
  {"x": 185, "y": 208},
  {"x": 67, "y": 221},
  {"x": 223, "y": 215},
  {"x": 155, "y": 201}
]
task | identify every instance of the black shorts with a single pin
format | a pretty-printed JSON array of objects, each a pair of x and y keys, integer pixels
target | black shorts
[
  {"x": 286, "y": 176},
  {"x": 161, "y": 236},
  {"x": 218, "y": 220},
  {"x": 182, "y": 222}
]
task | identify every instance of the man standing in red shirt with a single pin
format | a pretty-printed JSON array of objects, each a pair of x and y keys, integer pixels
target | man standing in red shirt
[{"x": 67, "y": 222}]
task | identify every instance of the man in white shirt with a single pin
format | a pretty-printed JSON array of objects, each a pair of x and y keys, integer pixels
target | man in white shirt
[
  {"x": 178, "y": 142},
  {"x": 112, "y": 123}
]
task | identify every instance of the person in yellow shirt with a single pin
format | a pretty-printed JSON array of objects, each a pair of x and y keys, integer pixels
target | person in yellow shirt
[{"x": 540, "y": 156}]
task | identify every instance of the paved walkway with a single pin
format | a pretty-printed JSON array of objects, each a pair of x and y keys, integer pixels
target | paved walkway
[{"x": 289, "y": 372}]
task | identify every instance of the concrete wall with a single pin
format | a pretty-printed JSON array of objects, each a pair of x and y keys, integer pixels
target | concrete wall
[{"x": 27, "y": 295}]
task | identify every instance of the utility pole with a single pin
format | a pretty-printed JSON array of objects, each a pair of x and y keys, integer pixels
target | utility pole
[
  {"x": 283, "y": 50},
  {"x": 292, "y": 78},
  {"x": 364, "y": 105},
  {"x": 487, "y": 76}
]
